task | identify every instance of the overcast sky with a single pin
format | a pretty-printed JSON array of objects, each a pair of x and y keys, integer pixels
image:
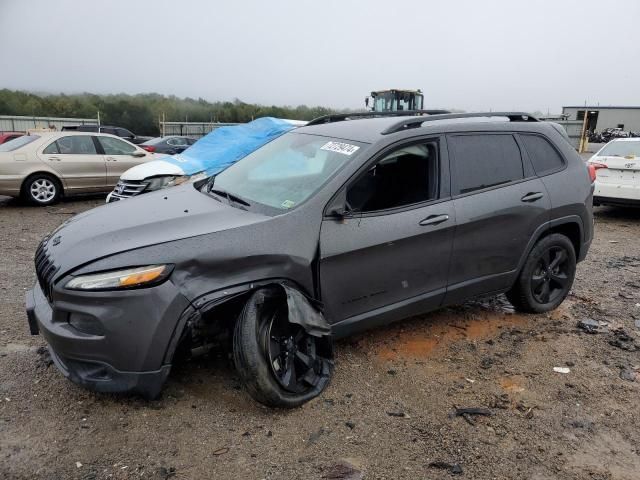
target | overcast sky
[{"x": 467, "y": 54}]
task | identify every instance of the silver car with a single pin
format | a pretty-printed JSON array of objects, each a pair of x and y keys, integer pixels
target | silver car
[{"x": 43, "y": 167}]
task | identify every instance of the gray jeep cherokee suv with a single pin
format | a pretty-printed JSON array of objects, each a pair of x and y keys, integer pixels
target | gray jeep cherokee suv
[{"x": 350, "y": 222}]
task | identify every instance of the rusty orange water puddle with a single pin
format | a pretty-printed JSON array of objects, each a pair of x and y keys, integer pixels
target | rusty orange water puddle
[
  {"x": 512, "y": 384},
  {"x": 421, "y": 340}
]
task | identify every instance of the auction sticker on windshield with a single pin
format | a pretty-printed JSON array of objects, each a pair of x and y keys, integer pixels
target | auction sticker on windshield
[{"x": 339, "y": 147}]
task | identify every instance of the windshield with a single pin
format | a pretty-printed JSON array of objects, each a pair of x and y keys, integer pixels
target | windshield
[
  {"x": 393, "y": 101},
  {"x": 17, "y": 143},
  {"x": 285, "y": 172},
  {"x": 621, "y": 149}
]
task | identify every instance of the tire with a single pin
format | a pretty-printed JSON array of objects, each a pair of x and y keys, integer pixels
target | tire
[
  {"x": 264, "y": 339},
  {"x": 41, "y": 189},
  {"x": 546, "y": 277}
]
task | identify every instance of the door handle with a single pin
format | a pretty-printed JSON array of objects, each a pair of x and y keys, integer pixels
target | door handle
[
  {"x": 54, "y": 159},
  {"x": 111, "y": 159},
  {"x": 434, "y": 220},
  {"x": 532, "y": 196}
]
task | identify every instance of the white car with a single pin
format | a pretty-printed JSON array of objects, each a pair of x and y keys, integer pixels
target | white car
[
  {"x": 44, "y": 166},
  {"x": 617, "y": 167}
]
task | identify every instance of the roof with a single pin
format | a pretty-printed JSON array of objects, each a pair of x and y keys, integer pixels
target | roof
[
  {"x": 604, "y": 107},
  {"x": 370, "y": 130},
  {"x": 408, "y": 90}
]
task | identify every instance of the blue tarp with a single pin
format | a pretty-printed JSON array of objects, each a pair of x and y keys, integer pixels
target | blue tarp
[{"x": 226, "y": 145}]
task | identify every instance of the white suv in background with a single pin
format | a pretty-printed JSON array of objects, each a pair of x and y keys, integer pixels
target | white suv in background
[{"x": 617, "y": 166}]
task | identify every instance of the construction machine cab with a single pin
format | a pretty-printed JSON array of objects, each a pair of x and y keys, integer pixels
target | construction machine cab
[{"x": 395, "y": 100}]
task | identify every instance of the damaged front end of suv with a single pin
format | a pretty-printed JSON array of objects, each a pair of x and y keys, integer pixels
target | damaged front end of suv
[{"x": 125, "y": 287}]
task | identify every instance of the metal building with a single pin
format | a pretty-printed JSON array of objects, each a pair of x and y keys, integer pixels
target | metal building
[
  {"x": 11, "y": 123},
  {"x": 601, "y": 117}
]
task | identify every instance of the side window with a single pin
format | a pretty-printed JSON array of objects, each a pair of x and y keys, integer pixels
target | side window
[
  {"x": 181, "y": 142},
  {"x": 543, "y": 155},
  {"x": 191, "y": 141},
  {"x": 177, "y": 142},
  {"x": 114, "y": 146},
  {"x": 121, "y": 132},
  {"x": 52, "y": 148},
  {"x": 405, "y": 176},
  {"x": 76, "y": 145},
  {"x": 482, "y": 161}
]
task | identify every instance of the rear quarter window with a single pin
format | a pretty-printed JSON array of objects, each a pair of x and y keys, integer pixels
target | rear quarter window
[
  {"x": 484, "y": 160},
  {"x": 544, "y": 157}
]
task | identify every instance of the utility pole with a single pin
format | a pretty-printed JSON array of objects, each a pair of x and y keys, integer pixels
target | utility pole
[{"x": 583, "y": 134}]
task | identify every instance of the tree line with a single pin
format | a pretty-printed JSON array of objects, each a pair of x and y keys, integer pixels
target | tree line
[{"x": 140, "y": 113}]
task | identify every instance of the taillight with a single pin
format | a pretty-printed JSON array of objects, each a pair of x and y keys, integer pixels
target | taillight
[
  {"x": 148, "y": 148},
  {"x": 593, "y": 168}
]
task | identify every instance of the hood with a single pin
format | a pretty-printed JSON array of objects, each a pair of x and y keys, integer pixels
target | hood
[
  {"x": 151, "y": 219},
  {"x": 154, "y": 168}
]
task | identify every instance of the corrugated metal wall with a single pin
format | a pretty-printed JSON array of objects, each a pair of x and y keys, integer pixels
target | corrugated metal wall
[
  {"x": 10, "y": 123},
  {"x": 191, "y": 129},
  {"x": 573, "y": 128}
]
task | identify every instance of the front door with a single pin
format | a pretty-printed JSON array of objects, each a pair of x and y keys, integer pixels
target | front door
[
  {"x": 77, "y": 162},
  {"x": 389, "y": 257},
  {"x": 119, "y": 157}
]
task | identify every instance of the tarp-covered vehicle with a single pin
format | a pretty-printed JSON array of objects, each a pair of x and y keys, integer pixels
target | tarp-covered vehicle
[{"x": 208, "y": 156}]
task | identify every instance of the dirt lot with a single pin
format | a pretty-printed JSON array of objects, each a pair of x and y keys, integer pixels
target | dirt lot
[{"x": 387, "y": 413}]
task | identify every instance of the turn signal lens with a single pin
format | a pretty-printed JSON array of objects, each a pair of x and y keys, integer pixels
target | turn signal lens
[
  {"x": 142, "y": 277},
  {"x": 593, "y": 167},
  {"x": 129, "y": 278}
]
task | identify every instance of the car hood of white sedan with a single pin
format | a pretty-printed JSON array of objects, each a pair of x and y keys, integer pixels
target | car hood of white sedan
[{"x": 155, "y": 168}]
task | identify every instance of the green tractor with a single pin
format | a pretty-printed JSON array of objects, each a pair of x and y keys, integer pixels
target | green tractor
[{"x": 394, "y": 100}]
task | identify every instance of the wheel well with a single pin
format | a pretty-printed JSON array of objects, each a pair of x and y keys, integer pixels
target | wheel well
[
  {"x": 571, "y": 231},
  {"x": 54, "y": 176}
]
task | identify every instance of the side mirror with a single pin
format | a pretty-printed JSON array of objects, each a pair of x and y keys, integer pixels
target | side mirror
[
  {"x": 337, "y": 208},
  {"x": 138, "y": 154},
  {"x": 338, "y": 212}
]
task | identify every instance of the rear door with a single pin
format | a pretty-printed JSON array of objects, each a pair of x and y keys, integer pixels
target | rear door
[
  {"x": 499, "y": 203},
  {"x": 391, "y": 254},
  {"x": 77, "y": 161},
  {"x": 120, "y": 156}
]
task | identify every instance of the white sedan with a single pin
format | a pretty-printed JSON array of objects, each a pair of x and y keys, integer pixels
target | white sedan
[{"x": 617, "y": 167}]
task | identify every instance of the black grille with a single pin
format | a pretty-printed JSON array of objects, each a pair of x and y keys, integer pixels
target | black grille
[{"x": 45, "y": 269}]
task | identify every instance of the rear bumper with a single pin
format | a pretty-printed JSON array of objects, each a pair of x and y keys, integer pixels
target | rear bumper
[
  {"x": 613, "y": 193},
  {"x": 616, "y": 201},
  {"x": 109, "y": 341}
]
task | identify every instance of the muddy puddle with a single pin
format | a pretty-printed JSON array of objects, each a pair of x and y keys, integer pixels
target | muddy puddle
[{"x": 429, "y": 335}]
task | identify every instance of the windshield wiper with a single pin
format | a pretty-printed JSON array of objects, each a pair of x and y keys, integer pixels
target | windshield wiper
[{"x": 229, "y": 196}]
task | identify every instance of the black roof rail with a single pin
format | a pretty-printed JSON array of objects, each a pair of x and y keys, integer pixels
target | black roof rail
[
  {"x": 339, "y": 117},
  {"x": 416, "y": 122}
]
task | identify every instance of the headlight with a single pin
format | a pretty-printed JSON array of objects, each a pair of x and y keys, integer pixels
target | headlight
[
  {"x": 158, "y": 183},
  {"x": 121, "y": 279}
]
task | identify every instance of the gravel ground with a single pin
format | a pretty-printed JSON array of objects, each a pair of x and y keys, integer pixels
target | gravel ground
[{"x": 388, "y": 412}]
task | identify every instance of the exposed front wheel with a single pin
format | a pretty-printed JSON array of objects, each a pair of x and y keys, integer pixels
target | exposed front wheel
[
  {"x": 280, "y": 364},
  {"x": 547, "y": 275},
  {"x": 41, "y": 189}
]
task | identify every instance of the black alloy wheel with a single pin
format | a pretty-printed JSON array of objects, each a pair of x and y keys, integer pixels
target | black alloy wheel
[
  {"x": 551, "y": 275},
  {"x": 292, "y": 354},
  {"x": 546, "y": 277}
]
